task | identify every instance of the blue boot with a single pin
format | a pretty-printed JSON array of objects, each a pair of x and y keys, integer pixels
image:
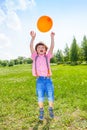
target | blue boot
[
  {"x": 51, "y": 114},
  {"x": 41, "y": 116}
]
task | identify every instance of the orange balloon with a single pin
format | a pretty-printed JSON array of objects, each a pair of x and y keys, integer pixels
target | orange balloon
[{"x": 44, "y": 23}]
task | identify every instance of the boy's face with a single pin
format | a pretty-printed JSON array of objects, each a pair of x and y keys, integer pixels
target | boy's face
[{"x": 41, "y": 49}]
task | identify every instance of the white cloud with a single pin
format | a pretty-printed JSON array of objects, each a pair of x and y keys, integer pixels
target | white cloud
[
  {"x": 2, "y": 16},
  {"x": 18, "y": 4},
  {"x": 11, "y": 17},
  {"x": 4, "y": 41},
  {"x": 32, "y": 3},
  {"x": 13, "y": 21},
  {"x": 13, "y": 5},
  {"x": 24, "y": 4}
]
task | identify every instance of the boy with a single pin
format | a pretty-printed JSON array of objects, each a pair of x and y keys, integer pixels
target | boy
[{"x": 41, "y": 69}]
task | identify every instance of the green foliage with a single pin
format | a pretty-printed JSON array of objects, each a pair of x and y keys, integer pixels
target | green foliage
[
  {"x": 59, "y": 56},
  {"x": 66, "y": 53},
  {"x": 18, "y": 102},
  {"x": 28, "y": 60},
  {"x": 74, "y": 51},
  {"x": 4, "y": 63},
  {"x": 11, "y": 63},
  {"x": 74, "y": 55},
  {"x": 84, "y": 48},
  {"x": 54, "y": 59}
]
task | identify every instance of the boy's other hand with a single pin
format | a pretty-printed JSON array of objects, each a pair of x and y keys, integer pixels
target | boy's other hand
[
  {"x": 33, "y": 34},
  {"x": 52, "y": 34}
]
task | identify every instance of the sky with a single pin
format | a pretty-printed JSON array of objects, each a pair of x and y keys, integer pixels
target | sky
[{"x": 19, "y": 17}]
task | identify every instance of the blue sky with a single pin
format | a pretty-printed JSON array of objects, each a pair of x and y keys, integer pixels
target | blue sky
[{"x": 19, "y": 17}]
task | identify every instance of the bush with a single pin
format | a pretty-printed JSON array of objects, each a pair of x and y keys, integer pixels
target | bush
[
  {"x": 4, "y": 63},
  {"x": 74, "y": 63},
  {"x": 11, "y": 63}
]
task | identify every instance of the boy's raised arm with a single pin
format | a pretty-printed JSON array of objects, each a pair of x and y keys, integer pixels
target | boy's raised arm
[
  {"x": 33, "y": 35},
  {"x": 52, "y": 42}
]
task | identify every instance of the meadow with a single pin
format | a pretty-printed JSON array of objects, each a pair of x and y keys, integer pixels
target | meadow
[{"x": 18, "y": 102}]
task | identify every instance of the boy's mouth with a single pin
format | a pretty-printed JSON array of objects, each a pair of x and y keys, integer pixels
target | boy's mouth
[{"x": 41, "y": 50}]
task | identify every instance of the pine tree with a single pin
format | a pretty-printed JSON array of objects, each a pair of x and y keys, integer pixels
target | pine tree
[
  {"x": 84, "y": 48},
  {"x": 59, "y": 56},
  {"x": 74, "y": 52},
  {"x": 66, "y": 53}
]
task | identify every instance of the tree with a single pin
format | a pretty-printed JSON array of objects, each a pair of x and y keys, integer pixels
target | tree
[
  {"x": 0, "y": 62},
  {"x": 11, "y": 63},
  {"x": 4, "y": 63},
  {"x": 53, "y": 59},
  {"x": 80, "y": 54},
  {"x": 21, "y": 59},
  {"x": 74, "y": 52},
  {"x": 84, "y": 48},
  {"x": 59, "y": 56},
  {"x": 16, "y": 61},
  {"x": 28, "y": 60},
  {"x": 66, "y": 53}
]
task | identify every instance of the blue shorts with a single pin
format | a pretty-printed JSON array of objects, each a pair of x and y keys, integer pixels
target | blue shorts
[{"x": 44, "y": 87}]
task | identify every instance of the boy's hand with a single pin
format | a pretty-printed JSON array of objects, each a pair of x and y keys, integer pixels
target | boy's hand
[
  {"x": 33, "y": 34},
  {"x": 52, "y": 42},
  {"x": 52, "y": 34}
]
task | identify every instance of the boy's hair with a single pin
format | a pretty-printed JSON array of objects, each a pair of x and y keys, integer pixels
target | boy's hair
[{"x": 41, "y": 43}]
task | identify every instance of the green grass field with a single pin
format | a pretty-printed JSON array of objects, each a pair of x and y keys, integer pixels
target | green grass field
[{"x": 18, "y": 102}]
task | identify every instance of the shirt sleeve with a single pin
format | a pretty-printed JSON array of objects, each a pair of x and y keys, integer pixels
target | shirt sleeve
[{"x": 33, "y": 55}]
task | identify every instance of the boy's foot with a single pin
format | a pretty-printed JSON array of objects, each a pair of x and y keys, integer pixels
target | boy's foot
[
  {"x": 51, "y": 114},
  {"x": 41, "y": 116}
]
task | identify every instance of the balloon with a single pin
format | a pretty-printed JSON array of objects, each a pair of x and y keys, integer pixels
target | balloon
[{"x": 44, "y": 23}]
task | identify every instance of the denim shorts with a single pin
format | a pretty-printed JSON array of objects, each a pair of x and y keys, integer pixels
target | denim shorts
[{"x": 44, "y": 88}]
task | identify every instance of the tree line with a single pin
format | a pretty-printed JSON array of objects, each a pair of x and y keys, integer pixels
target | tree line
[
  {"x": 12, "y": 62},
  {"x": 76, "y": 54}
]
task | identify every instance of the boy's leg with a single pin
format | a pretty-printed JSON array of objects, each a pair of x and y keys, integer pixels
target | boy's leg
[
  {"x": 51, "y": 113},
  {"x": 40, "y": 104},
  {"x": 50, "y": 95},
  {"x": 41, "y": 111},
  {"x": 51, "y": 104},
  {"x": 40, "y": 95}
]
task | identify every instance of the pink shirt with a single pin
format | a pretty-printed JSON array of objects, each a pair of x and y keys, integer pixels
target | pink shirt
[{"x": 41, "y": 64}]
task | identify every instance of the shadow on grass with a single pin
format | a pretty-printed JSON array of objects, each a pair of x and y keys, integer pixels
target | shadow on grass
[
  {"x": 37, "y": 125},
  {"x": 45, "y": 124}
]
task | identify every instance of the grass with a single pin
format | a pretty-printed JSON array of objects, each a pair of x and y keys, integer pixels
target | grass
[{"x": 18, "y": 102}]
